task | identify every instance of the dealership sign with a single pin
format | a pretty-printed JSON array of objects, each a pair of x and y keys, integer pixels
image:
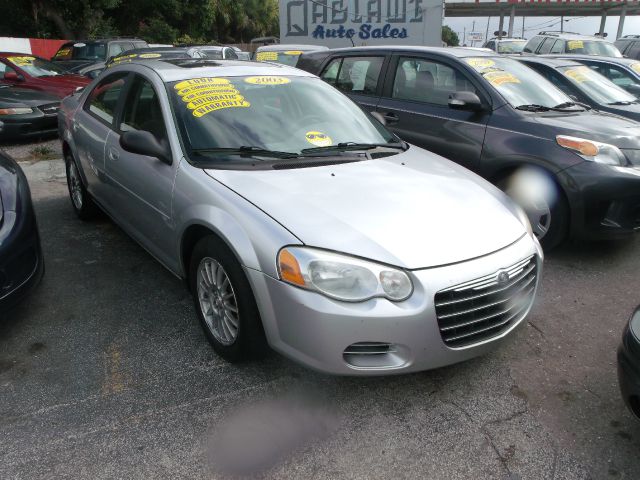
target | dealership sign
[{"x": 342, "y": 23}]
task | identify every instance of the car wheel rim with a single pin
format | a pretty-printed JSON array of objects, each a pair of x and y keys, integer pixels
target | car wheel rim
[
  {"x": 539, "y": 214},
  {"x": 75, "y": 186},
  {"x": 217, "y": 300}
]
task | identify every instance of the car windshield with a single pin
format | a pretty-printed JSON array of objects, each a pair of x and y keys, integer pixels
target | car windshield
[
  {"x": 514, "y": 46},
  {"x": 593, "y": 47},
  {"x": 215, "y": 54},
  {"x": 36, "y": 67},
  {"x": 287, "y": 57},
  {"x": 82, "y": 51},
  {"x": 517, "y": 83},
  {"x": 272, "y": 113},
  {"x": 596, "y": 86}
]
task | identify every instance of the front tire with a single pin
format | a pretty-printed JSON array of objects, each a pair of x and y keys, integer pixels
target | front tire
[
  {"x": 224, "y": 302},
  {"x": 81, "y": 200}
]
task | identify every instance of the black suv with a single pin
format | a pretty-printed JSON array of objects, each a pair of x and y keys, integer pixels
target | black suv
[
  {"x": 574, "y": 171},
  {"x": 81, "y": 53},
  {"x": 570, "y": 43}
]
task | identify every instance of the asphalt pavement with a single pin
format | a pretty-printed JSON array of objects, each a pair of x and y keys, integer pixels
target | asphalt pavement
[{"x": 105, "y": 373}]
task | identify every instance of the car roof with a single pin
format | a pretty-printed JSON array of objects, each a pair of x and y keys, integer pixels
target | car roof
[
  {"x": 551, "y": 62},
  {"x": 279, "y": 47},
  {"x": 172, "y": 70},
  {"x": 510, "y": 39},
  {"x": 459, "y": 52},
  {"x": 572, "y": 35},
  {"x": 597, "y": 58}
]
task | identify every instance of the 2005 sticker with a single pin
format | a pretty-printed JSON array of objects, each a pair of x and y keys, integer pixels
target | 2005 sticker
[
  {"x": 318, "y": 139},
  {"x": 150, "y": 55},
  {"x": 480, "y": 63},
  {"x": 267, "y": 80}
]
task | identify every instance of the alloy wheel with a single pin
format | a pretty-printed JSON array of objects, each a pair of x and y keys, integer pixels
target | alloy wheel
[
  {"x": 75, "y": 186},
  {"x": 217, "y": 300}
]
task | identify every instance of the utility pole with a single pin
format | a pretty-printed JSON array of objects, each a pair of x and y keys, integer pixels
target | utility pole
[
  {"x": 473, "y": 29},
  {"x": 486, "y": 35},
  {"x": 464, "y": 36},
  {"x": 523, "y": 26}
]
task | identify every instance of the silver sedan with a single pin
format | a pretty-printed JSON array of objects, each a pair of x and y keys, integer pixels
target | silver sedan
[{"x": 297, "y": 219}]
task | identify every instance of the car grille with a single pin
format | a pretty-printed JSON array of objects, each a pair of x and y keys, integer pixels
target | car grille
[
  {"x": 50, "y": 108},
  {"x": 483, "y": 308}
]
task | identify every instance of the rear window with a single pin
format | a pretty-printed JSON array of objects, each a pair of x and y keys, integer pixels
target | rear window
[
  {"x": 592, "y": 47},
  {"x": 95, "y": 51}
]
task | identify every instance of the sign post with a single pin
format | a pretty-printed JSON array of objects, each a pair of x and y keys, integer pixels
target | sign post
[{"x": 345, "y": 23}]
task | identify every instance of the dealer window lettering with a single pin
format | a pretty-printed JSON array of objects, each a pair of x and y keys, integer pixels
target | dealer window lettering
[{"x": 364, "y": 32}]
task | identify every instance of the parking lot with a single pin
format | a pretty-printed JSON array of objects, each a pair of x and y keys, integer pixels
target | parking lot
[{"x": 105, "y": 373}]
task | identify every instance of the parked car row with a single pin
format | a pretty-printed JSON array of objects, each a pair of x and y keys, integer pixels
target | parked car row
[{"x": 294, "y": 213}]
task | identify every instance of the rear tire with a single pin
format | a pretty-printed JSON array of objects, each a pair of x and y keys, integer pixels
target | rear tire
[
  {"x": 81, "y": 200},
  {"x": 224, "y": 302}
]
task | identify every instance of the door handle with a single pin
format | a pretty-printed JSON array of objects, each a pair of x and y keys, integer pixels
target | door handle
[
  {"x": 391, "y": 117},
  {"x": 74, "y": 125},
  {"x": 113, "y": 155}
]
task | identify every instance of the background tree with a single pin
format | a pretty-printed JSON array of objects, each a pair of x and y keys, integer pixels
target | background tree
[{"x": 449, "y": 36}]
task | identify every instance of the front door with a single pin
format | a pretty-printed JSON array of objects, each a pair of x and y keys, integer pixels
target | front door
[
  {"x": 142, "y": 186},
  {"x": 415, "y": 104}
]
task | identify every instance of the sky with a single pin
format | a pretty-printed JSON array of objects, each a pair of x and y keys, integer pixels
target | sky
[{"x": 532, "y": 25}]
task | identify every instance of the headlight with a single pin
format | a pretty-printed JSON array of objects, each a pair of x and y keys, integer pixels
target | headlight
[
  {"x": 593, "y": 151},
  {"x": 340, "y": 276},
  {"x": 16, "y": 111}
]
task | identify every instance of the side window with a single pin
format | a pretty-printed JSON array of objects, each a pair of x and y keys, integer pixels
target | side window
[
  {"x": 619, "y": 76},
  {"x": 557, "y": 47},
  {"x": 230, "y": 53},
  {"x": 545, "y": 47},
  {"x": 118, "y": 48},
  {"x": 491, "y": 45},
  {"x": 103, "y": 99},
  {"x": 330, "y": 74},
  {"x": 5, "y": 69},
  {"x": 142, "y": 110},
  {"x": 359, "y": 75},
  {"x": 633, "y": 51},
  {"x": 532, "y": 45},
  {"x": 428, "y": 81}
]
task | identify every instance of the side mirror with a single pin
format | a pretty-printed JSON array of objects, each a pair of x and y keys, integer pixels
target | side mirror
[
  {"x": 465, "y": 101},
  {"x": 145, "y": 143},
  {"x": 13, "y": 77}
]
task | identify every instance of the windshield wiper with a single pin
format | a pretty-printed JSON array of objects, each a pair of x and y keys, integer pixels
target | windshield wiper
[
  {"x": 350, "y": 146},
  {"x": 532, "y": 107},
  {"x": 246, "y": 151},
  {"x": 565, "y": 105},
  {"x": 621, "y": 102}
]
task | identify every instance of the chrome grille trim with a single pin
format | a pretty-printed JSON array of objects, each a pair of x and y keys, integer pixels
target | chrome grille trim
[
  {"x": 369, "y": 348},
  {"x": 480, "y": 309}
]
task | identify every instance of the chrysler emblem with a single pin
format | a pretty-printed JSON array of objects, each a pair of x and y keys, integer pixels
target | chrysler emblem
[{"x": 503, "y": 277}]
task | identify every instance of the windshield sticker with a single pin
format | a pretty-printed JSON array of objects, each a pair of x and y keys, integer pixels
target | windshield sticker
[
  {"x": 578, "y": 74},
  {"x": 266, "y": 80},
  {"x": 635, "y": 67},
  {"x": 22, "y": 61},
  {"x": 497, "y": 78},
  {"x": 124, "y": 58},
  {"x": 293, "y": 52},
  {"x": 318, "y": 139},
  {"x": 150, "y": 55},
  {"x": 207, "y": 94},
  {"x": 575, "y": 44},
  {"x": 63, "y": 52},
  {"x": 266, "y": 56},
  {"x": 480, "y": 63}
]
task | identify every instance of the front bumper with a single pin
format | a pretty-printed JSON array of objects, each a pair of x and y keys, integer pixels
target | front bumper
[
  {"x": 18, "y": 127},
  {"x": 629, "y": 370},
  {"x": 604, "y": 200},
  {"x": 317, "y": 331}
]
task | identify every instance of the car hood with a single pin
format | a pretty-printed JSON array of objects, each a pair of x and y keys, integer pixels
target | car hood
[
  {"x": 10, "y": 96},
  {"x": 598, "y": 126},
  {"x": 71, "y": 80},
  {"x": 412, "y": 210}
]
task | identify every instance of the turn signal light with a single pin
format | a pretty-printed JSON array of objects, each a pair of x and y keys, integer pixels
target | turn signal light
[
  {"x": 584, "y": 147},
  {"x": 290, "y": 268}
]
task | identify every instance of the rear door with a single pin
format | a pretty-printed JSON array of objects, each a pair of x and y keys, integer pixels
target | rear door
[
  {"x": 90, "y": 128},
  {"x": 415, "y": 103},
  {"x": 360, "y": 77},
  {"x": 141, "y": 186}
]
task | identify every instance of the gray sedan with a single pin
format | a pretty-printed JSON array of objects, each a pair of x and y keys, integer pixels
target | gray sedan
[{"x": 298, "y": 220}]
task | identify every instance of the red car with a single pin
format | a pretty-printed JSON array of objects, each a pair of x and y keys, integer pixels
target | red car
[{"x": 28, "y": 71}]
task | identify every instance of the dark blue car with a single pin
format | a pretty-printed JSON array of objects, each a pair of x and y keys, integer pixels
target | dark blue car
[{"x": 21, "y": 262}]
